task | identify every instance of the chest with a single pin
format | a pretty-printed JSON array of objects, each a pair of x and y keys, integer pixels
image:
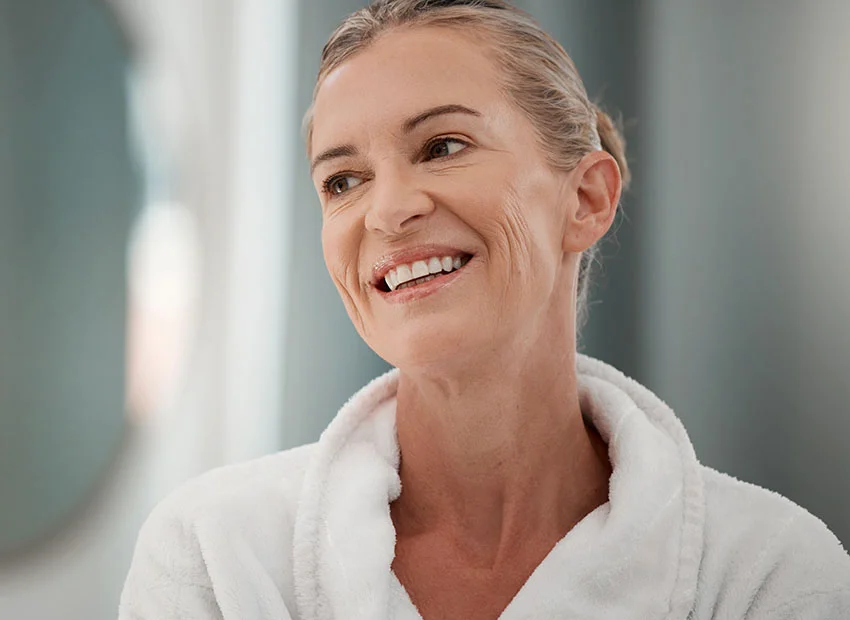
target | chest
[{"x": 442, "y": 587}]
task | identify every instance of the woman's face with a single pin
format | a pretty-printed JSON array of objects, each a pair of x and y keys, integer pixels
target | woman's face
[{"x": 418, "y": 156}]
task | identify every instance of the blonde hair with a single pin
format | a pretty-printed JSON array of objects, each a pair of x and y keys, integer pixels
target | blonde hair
[{"x": 538, "y": 76}]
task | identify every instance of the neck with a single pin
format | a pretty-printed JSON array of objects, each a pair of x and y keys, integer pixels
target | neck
[{"x": 493, "y": 458}]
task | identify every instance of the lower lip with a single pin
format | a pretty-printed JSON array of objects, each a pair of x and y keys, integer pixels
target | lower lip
[{"x": 412, "y": 293}]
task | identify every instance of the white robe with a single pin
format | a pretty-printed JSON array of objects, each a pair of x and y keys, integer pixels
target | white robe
[{"x": 306, "y": 534}]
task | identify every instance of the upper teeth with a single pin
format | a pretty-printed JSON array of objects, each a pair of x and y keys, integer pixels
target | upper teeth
[{"x": 421, "y": 268}]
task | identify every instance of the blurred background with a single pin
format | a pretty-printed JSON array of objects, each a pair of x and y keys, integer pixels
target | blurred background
[{"x": 165, "y": 309}]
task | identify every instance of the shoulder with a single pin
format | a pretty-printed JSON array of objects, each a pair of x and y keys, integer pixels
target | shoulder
[
  {"x": 743, "y": 517},
  {"x": 253, "y": 502},
  {"x": 235, "y": 492},
  {"x": 232, "y": 528},
  {"x": 763, "y": 553}
]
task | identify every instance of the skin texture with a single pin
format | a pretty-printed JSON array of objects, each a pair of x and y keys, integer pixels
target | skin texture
[{"x": 497, "y": 463}]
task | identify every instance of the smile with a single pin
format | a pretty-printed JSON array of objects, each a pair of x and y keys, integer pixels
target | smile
[{"x": 421, "y": 271}]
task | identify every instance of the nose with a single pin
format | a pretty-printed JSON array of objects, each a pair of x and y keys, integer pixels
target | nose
[{"x": 396, "y": 202}]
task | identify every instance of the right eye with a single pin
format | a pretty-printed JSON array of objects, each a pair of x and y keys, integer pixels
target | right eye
[{"x": 339, "y": 184}]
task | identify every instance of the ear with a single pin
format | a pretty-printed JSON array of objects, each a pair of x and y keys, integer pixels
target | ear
[{"x": 597, "y": 184}]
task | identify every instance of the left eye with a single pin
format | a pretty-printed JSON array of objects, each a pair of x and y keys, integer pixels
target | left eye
[{"x": 444, "y": 147}]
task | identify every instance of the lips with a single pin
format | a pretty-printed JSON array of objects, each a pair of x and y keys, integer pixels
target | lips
[
  {"x": 423, "y": 288},
  {"x": 420, "y": 271},
  {"x": 409, "y": 256}
]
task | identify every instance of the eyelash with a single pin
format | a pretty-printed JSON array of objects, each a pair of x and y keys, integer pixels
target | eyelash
[{"x": 326, "y": 184}]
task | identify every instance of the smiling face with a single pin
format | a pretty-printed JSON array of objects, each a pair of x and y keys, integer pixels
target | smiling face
[{"x": 417, "y": 154}]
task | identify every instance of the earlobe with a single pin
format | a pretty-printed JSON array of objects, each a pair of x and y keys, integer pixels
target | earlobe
[{"x": 598, "y": 185}]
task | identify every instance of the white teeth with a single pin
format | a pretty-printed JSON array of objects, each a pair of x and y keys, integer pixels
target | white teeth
[
  {"x": 392, "y": 280},
  {"x": 405, "y": 275},
  {"x": 420, "y": 269}
]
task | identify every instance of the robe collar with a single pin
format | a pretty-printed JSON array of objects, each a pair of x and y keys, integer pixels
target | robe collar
[{"x": 634, "y": 557}]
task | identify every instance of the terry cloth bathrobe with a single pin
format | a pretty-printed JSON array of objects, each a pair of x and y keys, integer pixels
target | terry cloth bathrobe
[{"x": 306, "y": 533}]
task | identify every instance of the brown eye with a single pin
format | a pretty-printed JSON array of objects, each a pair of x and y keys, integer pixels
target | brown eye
[
  {"x": 444, "y": 147},
  {"x": 341, "y": 184}
]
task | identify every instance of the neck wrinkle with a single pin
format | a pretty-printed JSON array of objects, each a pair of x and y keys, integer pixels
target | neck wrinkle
[{"x": 492, "y": 478}]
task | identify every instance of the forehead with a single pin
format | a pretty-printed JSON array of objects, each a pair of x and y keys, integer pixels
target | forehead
[{"x": 404, "y": 72}]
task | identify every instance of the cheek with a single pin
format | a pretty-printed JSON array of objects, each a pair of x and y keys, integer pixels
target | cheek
[
  {"x": 537, "y": 200},
  {"x": 330, "y": 250},
  {"x": 523, "y": 233},
  {"x": 517, "y": 237},
  {"x": 502, "y": 217},
  {"x": 341, "y": 247}
]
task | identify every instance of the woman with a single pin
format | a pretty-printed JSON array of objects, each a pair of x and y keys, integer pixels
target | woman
[{"x": 465, "y": 179}]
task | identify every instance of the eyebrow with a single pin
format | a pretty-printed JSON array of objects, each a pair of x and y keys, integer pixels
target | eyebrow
[
  {"x": 349, "y": 150},
  {"x": 451, "y": 108},
  {"x": 346, "y": 150}
]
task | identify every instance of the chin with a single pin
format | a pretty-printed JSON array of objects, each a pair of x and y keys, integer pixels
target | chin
[{"x": 429, "y": 349}]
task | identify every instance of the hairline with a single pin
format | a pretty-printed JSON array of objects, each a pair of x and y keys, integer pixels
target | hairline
[{"x": 489, "y": 50}]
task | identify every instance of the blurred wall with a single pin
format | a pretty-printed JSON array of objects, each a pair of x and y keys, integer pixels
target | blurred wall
[
  {"x": 68, "y": 194},
  {"x": 209, "y": 101},
  {"x": 745, "y": 291}
]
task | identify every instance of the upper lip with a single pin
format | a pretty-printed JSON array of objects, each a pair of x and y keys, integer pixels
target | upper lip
[{"x": 388, "y": 262}]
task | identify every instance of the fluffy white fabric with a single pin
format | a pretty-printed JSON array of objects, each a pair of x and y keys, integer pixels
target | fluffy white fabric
[{"x": 306, "y": 534}]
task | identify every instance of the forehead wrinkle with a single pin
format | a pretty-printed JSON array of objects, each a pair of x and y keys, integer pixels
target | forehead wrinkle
[
  {"x": 357, "y": 144},
  {"x": 341, "y": 76}
]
